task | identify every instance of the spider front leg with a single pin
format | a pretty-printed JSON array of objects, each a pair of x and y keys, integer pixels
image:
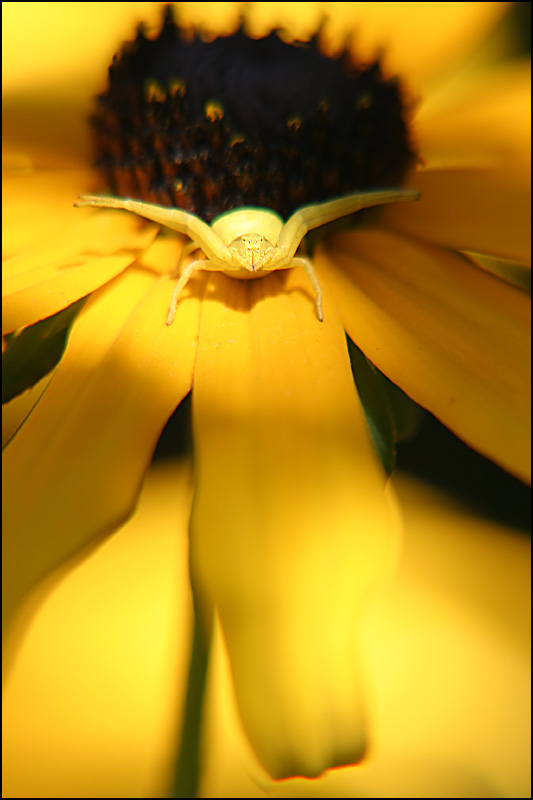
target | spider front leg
[
  {"x": 183, "y": 279},
  {"x": 186, "y": 251},
  {"x": 174, "y": 218},
  {"x": 313, "y": 280}
]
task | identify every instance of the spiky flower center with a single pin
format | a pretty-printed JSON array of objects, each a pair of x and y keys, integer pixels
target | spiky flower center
[{"x": 210, "y": 126}]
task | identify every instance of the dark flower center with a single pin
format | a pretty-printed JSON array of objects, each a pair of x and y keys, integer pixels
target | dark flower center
[{"x": 214, "y": 125}]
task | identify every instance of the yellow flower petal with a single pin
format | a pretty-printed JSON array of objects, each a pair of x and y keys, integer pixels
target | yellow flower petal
[
  {"x": 82, "y": 35},
  {"x": 452, "y": 336},
  {"x": 125, "y": 611},
  {"x": 73, "y": 472},
  {"x": 47, "y": 277},
  {"x": 39, "y": 205},
  {"x": 91, "y": 702},
  {"x": 511, "y": 271},
  {"x": 44, "y": 129},
  {"x": 477, "y": 120},
  {"x": 292, "y": 467},
  {"x": 480, "y": 210},
  {"x": 398, "y": 29},
  {"x": 290, "y": 532},
  {"x": 15, "y": 412},
  {"x": 451, "y": 643},
  {"x": 398, "y": 32}
]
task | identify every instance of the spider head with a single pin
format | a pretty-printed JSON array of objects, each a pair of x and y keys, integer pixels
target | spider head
[{"x": 252, "y": 251}]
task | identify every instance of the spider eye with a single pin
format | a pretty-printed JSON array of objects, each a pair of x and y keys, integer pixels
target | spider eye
[{"x": 250, "y": 239}]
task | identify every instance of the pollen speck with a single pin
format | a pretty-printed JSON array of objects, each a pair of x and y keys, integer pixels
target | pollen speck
[
  {"x": 177, "y": 87},
  {"x": 294, "y": 123},
  {"x": 364, "y": 101},
  {"x": 154, "y": 92},
  {"x": 213, "y": 110}
]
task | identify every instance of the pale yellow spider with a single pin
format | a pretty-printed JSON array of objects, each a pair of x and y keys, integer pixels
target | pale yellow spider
[{"x": 249, "y": 242}]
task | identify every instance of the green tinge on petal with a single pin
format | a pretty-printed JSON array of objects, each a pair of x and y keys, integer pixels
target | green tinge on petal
[
  {"x": 453, "y": 337},
  {"x": 73, "y": 472},
  {"x": 17, "y": 410},
  {"x": 33, "y": 352},
  {"x": 290, "y": 533}
]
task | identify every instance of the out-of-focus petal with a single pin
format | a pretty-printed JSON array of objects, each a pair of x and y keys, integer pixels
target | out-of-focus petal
[
  {"x": 45, "y": 130},
  {"x": 516, "y": 273},
  {"x": 290, "y": 532},
  {"x": 398, "y": 32},
  {"x": 93, "y": 699},
  {"x": 38, "y": 205},
  {"x": 452, "y": 336},
  {"x": 480, "y": 210},
  {"x": 479, "y": 120},
  {"x": 83, "y": 35},
  {"x": 451, "y": 649},
  {"x": 51, "y": 275},
  {"x": 399, "y": 28},
  {"x": 73, "y": 472}
]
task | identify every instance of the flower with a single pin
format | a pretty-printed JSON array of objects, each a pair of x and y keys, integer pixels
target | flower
[
  {"x": 291, "y": 527},
  {"x": 92, "y": 702}
]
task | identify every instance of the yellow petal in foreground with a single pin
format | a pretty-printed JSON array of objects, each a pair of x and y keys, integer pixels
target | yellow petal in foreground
[
  {"x": 453, "y": 337},
  {"x": 74, "y": 471},
  {"x": 52, "y": 274},
  {"x": 93, "y": 699},
  {"x": 451, "y": 711},
  {"x": 290, "y": 532}
]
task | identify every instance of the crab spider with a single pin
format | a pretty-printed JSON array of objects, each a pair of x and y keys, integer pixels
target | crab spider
[{"x": 248, "y": 242}]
